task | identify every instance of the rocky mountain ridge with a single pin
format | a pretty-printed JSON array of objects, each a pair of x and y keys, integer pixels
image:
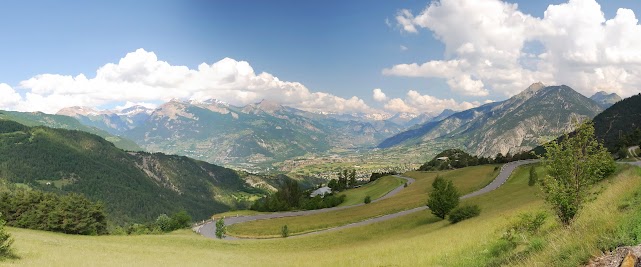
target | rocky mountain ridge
[{"x": 538, "y": 114}]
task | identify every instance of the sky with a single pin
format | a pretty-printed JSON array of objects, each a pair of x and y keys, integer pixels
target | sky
[{"x": 331, "y": 56}]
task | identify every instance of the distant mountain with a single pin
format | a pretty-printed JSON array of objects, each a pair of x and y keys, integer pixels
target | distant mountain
[
  {"x": 535, "y": 115},
  {"x": 113, "y": 121},
  {"x": 409, "y": 119},
  {"x": 258, "y": 133},
  {"x": 405, "y": 119},
  {"x": 134, "y": 186},
  {"x": 65, "y": 122},
  {"x": 620, "y": 125},
  {"x": 444, "y": 114},
  {"x": 605, "y": 100}
]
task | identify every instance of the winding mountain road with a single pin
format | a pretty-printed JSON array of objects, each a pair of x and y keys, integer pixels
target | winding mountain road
[{"x": 208, "y": 229}]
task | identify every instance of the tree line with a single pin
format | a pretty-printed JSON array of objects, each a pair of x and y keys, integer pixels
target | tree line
[
  {"x": 456, "y": 158},
  {"x": 346, "y": 179},
  {"x": 71, "y": 213}
]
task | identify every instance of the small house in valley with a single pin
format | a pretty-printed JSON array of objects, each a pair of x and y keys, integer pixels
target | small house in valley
[{"x": 325, "y": 190}]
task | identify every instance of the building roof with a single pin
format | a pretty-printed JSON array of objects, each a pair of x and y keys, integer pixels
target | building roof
[{"x": 321, "y": 191}]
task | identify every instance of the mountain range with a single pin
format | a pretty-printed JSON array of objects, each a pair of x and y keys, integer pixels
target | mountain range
[
  {"x": 266, "y": 132},
  {"x": 538, "y": 114},
  {"x": 221, "y": 133},
  {"x": 604, "y": 99}
]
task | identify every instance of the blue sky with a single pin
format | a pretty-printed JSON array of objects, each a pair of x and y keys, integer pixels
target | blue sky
[{"x": 337, "y": 47}]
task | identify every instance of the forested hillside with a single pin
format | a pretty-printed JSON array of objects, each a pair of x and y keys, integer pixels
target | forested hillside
[
  {"x": 134, "y": 186},
  {"x": 65, "y": 122},
  {"x": 620, "y": 125}
]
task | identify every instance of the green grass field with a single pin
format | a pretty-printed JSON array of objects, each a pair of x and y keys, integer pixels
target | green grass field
[
  {"x": 466, "y": 180},
  {"x": 418, "y": 239},
  {"x": 375, "y": 190}
]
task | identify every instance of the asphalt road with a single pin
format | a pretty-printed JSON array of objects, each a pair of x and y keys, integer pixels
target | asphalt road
[
  {"x": 209, "y": 228},
  {"x": 632, "y": 151}
]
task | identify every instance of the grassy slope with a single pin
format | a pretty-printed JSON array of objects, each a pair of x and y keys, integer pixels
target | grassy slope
[
  {"x": 415, "y": 240},
  {"x": 415, "y": 195},
  {"x": 597, "y": 223},
  {"x": 375, "y": 190}
]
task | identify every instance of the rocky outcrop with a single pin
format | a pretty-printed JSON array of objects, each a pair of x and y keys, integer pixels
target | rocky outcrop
[{"x": 620, "y": 257}]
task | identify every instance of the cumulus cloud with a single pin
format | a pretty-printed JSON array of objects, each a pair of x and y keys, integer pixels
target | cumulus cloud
[
  {"x": 140, "y": 77},
  {"x": 490, "y": 47},
  {"x": 10, "y": 97},
  {"x": 378, "y": 95},
  {"x": 416, "y": 103}
]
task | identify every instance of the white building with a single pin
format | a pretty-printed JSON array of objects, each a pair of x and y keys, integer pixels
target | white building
[{"x": 321, "y": 191}]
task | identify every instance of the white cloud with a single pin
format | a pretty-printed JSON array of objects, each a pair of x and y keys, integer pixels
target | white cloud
[
  {"x": 378, "y": 95},
  {"x": 403, "y": 48},
  {"x": 141, "y": 77},
  {"x": 490, "y": 41},
  {"x": 465, "y": 85},
  {"x": 405, "y": 19},
  {"x": 10, "y": 97},
  {"x": 416, "y": 103}
]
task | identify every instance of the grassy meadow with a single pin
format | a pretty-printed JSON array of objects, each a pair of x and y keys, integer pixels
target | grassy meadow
[
  {"x": 466, "y": 180},
  {"x": 375, "y": 190},
  {"x": 418, "y": 239}
]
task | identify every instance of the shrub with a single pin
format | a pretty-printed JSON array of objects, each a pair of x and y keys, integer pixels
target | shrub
[
  {"x": 464, "y": 212},
  {"x": 5, "y": 241},
  {"x": 220, "y": 228},
  {"x": 164, "y": 223},
  {"x": 180, "y": 220},
  {"x": 284, "y": 232},
  {"x": 529, "y": 222},
  {"x": 533, "y": 177},
  {"x": 368, "y": 200}
]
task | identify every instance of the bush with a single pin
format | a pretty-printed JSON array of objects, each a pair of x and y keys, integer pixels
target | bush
[
  {"x": 368, "y": 200},
  {"x": 5, "y": 241},
  {"x": 220, "y": 228},
  {"x": 529, "y": 222},
  {"x": 463, "y": 213},
  {"x": 519, "y": 240},
  {"x": 284, "y": 232},
  {"x": 180, "y": 220},
  {"x": 71, "y": 214},
  {"x": 164, "y": 223},
  {"x": 533, "y": 177}
]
